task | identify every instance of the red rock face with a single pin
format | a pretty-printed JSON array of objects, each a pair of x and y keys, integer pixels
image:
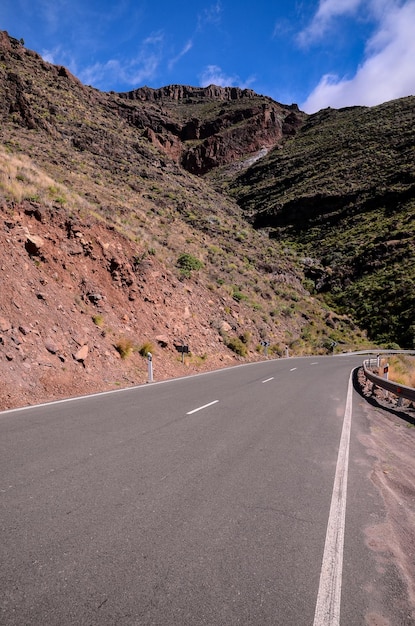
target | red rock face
[
  {"x": 234, "y": 137},
  {"x": 244, "y": 125}
]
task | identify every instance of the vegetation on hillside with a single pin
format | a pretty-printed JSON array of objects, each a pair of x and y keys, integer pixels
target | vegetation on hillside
[{"x": 341, "y": 194}]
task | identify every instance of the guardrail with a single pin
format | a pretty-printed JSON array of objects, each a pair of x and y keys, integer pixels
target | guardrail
[{"x": 398, "y": 390}]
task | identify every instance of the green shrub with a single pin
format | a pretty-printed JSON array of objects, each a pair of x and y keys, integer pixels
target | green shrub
[
  {"x": 236, "y": 345},
  {"x": 188, "y": 263},
  {"x": 98, "y": 320},
  {"x": 238, "y": 295}
]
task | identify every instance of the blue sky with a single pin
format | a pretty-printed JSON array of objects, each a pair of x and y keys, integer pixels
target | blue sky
[{"x": 315, "y": 53}]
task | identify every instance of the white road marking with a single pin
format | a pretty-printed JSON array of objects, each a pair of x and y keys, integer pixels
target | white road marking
[
  {"x": 205, "y": 406},
  {"x": 293, "y": 369},
  {"x": 315, "y": 363},
  {"x": 268, "y": 379},
  {"x": 329, "y": 593}
]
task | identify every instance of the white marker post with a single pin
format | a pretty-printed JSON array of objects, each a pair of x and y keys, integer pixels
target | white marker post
[{"x": 150, "y": 367}]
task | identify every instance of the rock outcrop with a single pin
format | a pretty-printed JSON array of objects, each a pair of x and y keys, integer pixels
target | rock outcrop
[{"x": 241, "y": 124}]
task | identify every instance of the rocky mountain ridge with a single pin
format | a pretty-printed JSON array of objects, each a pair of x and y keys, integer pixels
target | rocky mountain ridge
[{"x": 206, "y": 133}]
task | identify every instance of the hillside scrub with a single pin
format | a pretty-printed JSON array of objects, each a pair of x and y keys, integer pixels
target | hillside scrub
[
  {"x": 401, "y": 369},
  {"x": 341, "y": 195}
]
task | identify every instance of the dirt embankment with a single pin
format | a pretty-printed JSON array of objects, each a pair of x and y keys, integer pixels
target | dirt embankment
[
  {"x": 391, "y": 444},
  {"x": 78, "y": 297}
]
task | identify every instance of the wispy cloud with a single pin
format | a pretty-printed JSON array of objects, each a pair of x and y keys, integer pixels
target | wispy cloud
[
  {"x": 387, "y": 70},
  {"x": 186, "y": 48},
  {"x": 282, "y": 28},
  {"x": 60, "y": 56},
  {"x": 51, "y": 55},
  {"x": 210, "y": 15},
  {"x": 53, "y": 13},
  {"x": 129, "y": 72},
  {"x": 214, "y": 75}
]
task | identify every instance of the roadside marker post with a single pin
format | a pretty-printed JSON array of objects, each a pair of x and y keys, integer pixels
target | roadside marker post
[{"x": 150, "y": 367}]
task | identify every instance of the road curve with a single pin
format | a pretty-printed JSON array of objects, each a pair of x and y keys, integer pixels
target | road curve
[{"x": 204, "y": 500}]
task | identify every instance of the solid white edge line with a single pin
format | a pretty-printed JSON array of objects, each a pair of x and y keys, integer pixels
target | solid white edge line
[
  {"x": 205, "y": 406},
  {"x": 327, "y": 611}
]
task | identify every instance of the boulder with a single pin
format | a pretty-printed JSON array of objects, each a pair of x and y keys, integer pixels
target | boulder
[
  {"x": 34, "y": 245},
  {"x": 51, "y": 346},
  {"x": 81, "y": 354},
  {"x": 94, "y": 297},
  {"x": 225, "y": 327},
  {"x": 5, "y": 325},
  {"x": 162, "y": 340}
]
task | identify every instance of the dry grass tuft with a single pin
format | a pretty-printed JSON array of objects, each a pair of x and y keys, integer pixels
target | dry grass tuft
[
  {"x": 402, "y": 370},
  {"x": 124, "y": 347}
]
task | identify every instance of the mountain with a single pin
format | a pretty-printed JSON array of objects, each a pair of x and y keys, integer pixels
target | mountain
[
  {"x": 119, "y": 235},
  {"x": 341, "y": 193}
]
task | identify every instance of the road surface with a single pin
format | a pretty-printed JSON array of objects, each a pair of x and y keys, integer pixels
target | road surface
[{"x": 204, "y": 500}]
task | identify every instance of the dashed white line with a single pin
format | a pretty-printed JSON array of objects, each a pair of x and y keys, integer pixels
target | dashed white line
[
  {"x": 329, "y": 593},
  {"x": 268, "y": 379},
  {"x": 199, "y": 408},
  {"x": 293, "y": 369}
]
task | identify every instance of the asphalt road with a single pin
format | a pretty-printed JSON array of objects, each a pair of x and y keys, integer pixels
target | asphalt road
[{"x": 204, "y": 500}]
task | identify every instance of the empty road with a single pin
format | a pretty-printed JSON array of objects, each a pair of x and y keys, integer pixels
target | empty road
[{"x": 204, "y": 500}]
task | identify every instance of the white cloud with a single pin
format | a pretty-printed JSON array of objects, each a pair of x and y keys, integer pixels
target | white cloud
[
  {"x": 130, "y": 72},
  {"x": 214, "y": 75},
  {"x": 327, "y": 11},
  {"x": 388, "y": 69}
]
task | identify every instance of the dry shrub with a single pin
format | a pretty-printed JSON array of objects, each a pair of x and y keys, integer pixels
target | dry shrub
[
  {"x": 145, "y": 348},
  {"x": 401, "y": 370},
  {"x": 124, "y": 347}
]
